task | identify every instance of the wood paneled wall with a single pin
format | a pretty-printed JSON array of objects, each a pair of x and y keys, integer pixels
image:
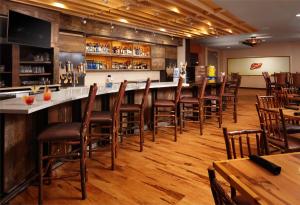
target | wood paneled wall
[{"x": 92, "y": 27}]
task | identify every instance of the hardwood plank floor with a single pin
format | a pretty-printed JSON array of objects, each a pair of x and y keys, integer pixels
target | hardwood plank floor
[{"x": 165, "y": 173}]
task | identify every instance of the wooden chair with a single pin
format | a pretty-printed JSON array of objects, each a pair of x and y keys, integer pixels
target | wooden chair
[
  {"x": 231, "y": 95},
  {"x": 66, "y": 134},
  {"x": 296, "y": 80},
  {"x": 109, "y": 120},
  {"x": 268, "y": 101},
  {"x": 270, "y": 86},
  {"x": 277, "y": 134},
  {"x": 281, "y": 80},
  {"x": 167, "y": 108},
  {"x": 242, "y": 143},
  {"x": 215, "y": 102},
  {"x": 219, "y": 194},
  {"x": 139, "y": 109},
  {"x": 193, "y": 105}
]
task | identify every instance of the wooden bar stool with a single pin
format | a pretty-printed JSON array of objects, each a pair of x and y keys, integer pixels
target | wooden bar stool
[
  {"x": 193, "y": 105},
  {"x": 139, "y": 109},
  {"x": 66, "y": 134},
  {"x": 171, "y": 105},
  {"x": 215, "y": 102},
  {"x": 231, "y": 95},
  {"x": 109, "y": 120}
]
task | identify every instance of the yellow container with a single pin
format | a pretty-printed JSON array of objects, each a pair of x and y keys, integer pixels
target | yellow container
[{"x": 211, "y": 73}]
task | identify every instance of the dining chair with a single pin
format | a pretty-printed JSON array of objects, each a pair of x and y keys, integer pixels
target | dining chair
[
  {"x": 139, "y": 109},
  {"x": 163, "y": 108},
  {"x": 243, "y": 143},
  {"x": 296, "y": 80},
  {"x": 66, "y": 135},
  {"x": 110, "y": 121},
  {"x": 281, "y": 80},
  {"x": 268, "y": 101},
  {"x": 277, "y": 133},
  {"x": 270, "y": 86},
  {"x": 219, "y": 194},
  {"x": 193, "y": 106},
  {"x": 214, "y": 103}
]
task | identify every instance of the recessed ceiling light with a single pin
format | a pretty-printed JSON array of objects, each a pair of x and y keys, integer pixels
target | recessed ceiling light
[
  {"x": 189, "y": 35},
  {"x": 228, "y": 30},
  {"x": 162, "y": 29},
  {"x": 298, "y": 15},
  {"x": 175, "y": 9},
  {"x": 59, "y": 5},
  {"x": 123, "y": 20}
]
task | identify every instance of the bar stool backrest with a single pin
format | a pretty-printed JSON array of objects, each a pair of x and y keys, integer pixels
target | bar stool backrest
[
  {"x": 178, "y": 90},
  {"x": 222, "y": 90},
  {"x": 146, "y": 92},
  {"x": 120, "y": 97},
  {"x": 201, "y": 89},
  {"x": 88, "y": 109}
]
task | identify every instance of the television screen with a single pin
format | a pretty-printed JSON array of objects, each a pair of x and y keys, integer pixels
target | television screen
[{"x": 27, "y": 30}]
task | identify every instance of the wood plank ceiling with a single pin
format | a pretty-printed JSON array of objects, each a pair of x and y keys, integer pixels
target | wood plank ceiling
[{"x": 179, "y": 18}]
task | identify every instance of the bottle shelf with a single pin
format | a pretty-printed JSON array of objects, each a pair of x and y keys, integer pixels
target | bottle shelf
[
  {"x": 35, "y": 74},
  {"x": 116, "y": 70},
  {"x": 35, "y": 62},
  {"x": 117, "y": 55}
]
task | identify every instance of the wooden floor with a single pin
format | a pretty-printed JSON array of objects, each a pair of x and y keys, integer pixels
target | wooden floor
[{"x": 166, "y": 172}]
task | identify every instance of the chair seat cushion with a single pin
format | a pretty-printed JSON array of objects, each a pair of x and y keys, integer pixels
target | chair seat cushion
[
  {"x": 101, "y": 117},
  {"x": 164, "y": 103},
  {"x": 189, "y": 100},
  {"x": 61, "y": 131},
  {"x": 211, "y": 97},
  {"x": 130, "y": 108},
  {"x": 293, "y": 142},
  {"x": 228, "y": 95},
  {"x": 292, "y": 129}
]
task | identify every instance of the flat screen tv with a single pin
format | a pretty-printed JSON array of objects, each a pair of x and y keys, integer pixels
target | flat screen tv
[{"x": 27, "y": 30}]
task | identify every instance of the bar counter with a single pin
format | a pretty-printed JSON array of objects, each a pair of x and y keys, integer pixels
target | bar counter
[{"x": 21, "y": 123}]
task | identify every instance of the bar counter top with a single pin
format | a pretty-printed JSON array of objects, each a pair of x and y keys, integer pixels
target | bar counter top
[{"x": 17, "y": 105}]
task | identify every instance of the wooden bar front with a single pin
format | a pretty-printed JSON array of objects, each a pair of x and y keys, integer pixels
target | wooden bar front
[{"x": 19, "y": 135}]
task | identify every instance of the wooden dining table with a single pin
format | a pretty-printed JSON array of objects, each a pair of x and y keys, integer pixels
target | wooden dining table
[
  {"x": 294, "y": 98},
  {"x": 289, "y": 113},
  {"x": 261, "y": 186}
]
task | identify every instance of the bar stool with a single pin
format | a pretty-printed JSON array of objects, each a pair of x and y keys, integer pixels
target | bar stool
[
  {"x": 193, "y": 105},
  {"x": 172, "y": 112},
  {"x": 109, "y": 120},
  {"x": 216, "y": 102},
  {"x": 66, "y": 134},
  {"x": 127, "y": 109},
  {"x": 231, "y": 96}
]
